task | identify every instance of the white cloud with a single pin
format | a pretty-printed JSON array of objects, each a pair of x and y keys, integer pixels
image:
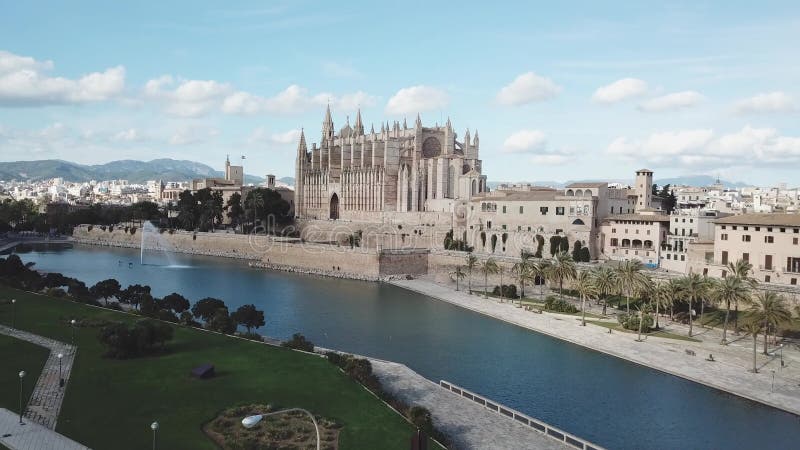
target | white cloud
[
  {"x": 676, "y": 100},
  {"x": 527, "y": 88},
  {"x": 129, "y": 135},
  {"x": 189, "y": 98},
  {"x": 193, "y": 135},
  {"x": 293, "y": 99},
  {"x": 525, "y": 141},
  {"x": 748, "y": 146},
  {"x": 23, "y": 82},
  {"x": 261, "y": 135},
  {"x": 551, "y": 159},
  {"x": 620, "y": 90},
  {"x": 416, "y": 99},
  {"x": 771, "y": 102}
]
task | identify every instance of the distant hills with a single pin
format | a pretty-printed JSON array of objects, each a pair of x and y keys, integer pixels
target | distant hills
[
  {"x": 688, "y": 180},
  {"x": 134, "y": 171}
]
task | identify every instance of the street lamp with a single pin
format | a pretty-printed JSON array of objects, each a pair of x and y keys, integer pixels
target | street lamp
[
  {"x": 154, "y": 427},
  {"x": 21, "y": 377},
  {"x": 782, "y": 363},
  {"x": 13, "y": 313},
  {"x": 72, "y": 323},
  {"x": 60, "y": 377}
]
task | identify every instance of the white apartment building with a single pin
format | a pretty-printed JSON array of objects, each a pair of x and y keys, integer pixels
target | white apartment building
[
  {"x": 634, "y": 236},
  {"x": 686, "y": 226}
]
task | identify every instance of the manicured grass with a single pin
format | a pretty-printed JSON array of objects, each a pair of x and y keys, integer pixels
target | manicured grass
[
  {"x": 19, "y": 355},
  {"x": 111, "y": 403},
  {"x": 660, "y": 333}
]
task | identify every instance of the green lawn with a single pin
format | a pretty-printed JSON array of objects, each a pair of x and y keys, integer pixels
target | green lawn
[
  {"x": 540, "y": 305},
  {"x": 661, "y": 333},
  {"x": 111, "y": 403},
  {"x": 19, "y": 355}
]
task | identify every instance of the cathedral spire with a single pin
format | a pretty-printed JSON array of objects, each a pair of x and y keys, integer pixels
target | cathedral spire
[
  {"x": 301, "y": 146},
  {"x": 449, "y": 125},
  {"x": 405, "y": 125},
  {"x": 475, "y": 140},
  {"x": 358, "y": 128},
  {"x": 418, "y": 123},
  {"x": 466, "y": 139},
  {"x": 327, "y": 125}
]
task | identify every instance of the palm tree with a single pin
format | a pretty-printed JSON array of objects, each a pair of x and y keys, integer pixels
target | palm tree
[
  {"x": 673, "y": 289},
  {"x": 584, "y": 284},
  {"x": 769, "y": 309},
  {"x": 522, "y": 274},
  {"x": 562, "y": 268},
  {"x": 458, "y": 274},
  {"x": 741, "y": 269},
  {"x": 489, "y": 266},
  {"x": 472, "y": 263},
  {"x": 501, "y": 270},
  {"x": 630, "y": 277},
  {"x": 256, "y": 201},
  {"x": 605, "y": 280},
  {"x": 540, "y": 270},
  {"x": 729, "y": 290},
  {"x": 693, "y": 286},
  {"x": 753, "y": 327},
  {"x": 643, "y": 309},
  {"x": 662, "y": 297}
]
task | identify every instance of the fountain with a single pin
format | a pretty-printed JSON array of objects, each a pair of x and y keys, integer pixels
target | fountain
[{"x": 148, "y": 229}]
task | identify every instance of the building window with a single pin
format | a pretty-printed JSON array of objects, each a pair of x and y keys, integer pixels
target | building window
[
  {"x": 794, "y": 241},
  {"x": 504, "y": 209},
  {"x": 724, "y": 257},
  {"x": 503, "y": 227},
  {"x": 669, "y": 256},
  {"x": 614, "y": 242},
  {"x": 724, "y": 273},
  {"x": 734, "y": 228},
  {"x": 559, "y": 210},
  {"x": 543, "y": 210},
  {"x": 783, "y": 230},
  {"x": 769, "y": 239},
  {"x": 746, "y": 257},
  {"x": 745, "y": 238},
  {"x": 769, "y": 229},
  {"x": 521, "y": 209},
  {"x": 723, "y": 236},
  {"x": 724, "y": 227},
  {"x": 745, "y": 228},
  {"x": 793, "y": 282},
  {"x": 489, "y": 224},
  {"x": 529, "y": 228},
  {"x": 683, "y": 257},
  {"x": 766, "y": 279},
  {"x": 614, "y": 230},
  {"x": 705, "y": 271}
]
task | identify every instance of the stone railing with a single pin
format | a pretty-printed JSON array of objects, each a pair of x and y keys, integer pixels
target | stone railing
[{"x": 538, "y": 425}]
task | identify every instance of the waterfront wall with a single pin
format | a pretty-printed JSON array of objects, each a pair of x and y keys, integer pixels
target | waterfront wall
[{"x": 270, "y": 252}]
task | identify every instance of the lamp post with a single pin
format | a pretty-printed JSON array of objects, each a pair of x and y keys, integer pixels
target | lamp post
[
  {"x": 21, "y": 377},
  {"x": 782, "y": 363},
  {"x": 13, "y": 313},
  {"x": 60, "y": 377},
  {"x": 72, "y": 324},
  {"x": 154, "y": 427}
]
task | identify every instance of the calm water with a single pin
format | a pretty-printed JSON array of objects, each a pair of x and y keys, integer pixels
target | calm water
[{"x": 601, "y": 398}]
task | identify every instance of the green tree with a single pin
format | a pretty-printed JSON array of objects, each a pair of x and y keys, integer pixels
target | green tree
[
  {"x": 743, "y": 270},
  {"x": 753, "y": 327},
  {"x": 584, "y": 284},
  {"x": 631, "y": 279},
  {"x": 221, "y": 322},
  {"x": 472, "y": 263},
  {"x": 540, "y": 270},
  {"x": 176, "y": 302},
  {"x": 770, "y": 310},
  {"x": 135, "y": 294},
  {"x": 693, "y": 286},
  {"x": 562, "y": 268},
  {"x": 249, "y": 317},
  {"x": 187, "y": 210},
  {"x": 606, "y": 283},
  {"x": 488, "y": 267},
  {"x": 523, "y": 275},
  {"x": 205, "y": 308},
  {"x": 235, "y": 211},
  {"x": 105, "y": 289},
  {"x": 729, "y": 290},
  {"x": 458, "y": 274}
]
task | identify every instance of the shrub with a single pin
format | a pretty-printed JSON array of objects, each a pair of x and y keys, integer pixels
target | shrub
[
  {"x": 559, "y": 305},
  {"x": 509, "y": 291},
  {"x": 144, "y": 337},
  {"x": 133, "y": 230},
  {"x": 252, "y": 336},
  {"x": 631, "y": 322},
  {"x": 299, "y": 342}
]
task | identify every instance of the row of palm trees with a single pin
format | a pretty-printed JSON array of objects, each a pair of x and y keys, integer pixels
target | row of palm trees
[{"x": 767, "y": 310}]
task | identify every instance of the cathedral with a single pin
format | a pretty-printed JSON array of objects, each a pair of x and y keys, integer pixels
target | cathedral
[{"x": 361, "y": 176}]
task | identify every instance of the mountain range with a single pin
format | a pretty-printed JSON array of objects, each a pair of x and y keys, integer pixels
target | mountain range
[
  {"x": 134, "y": 171},
  {"x": 182, "y": 170}
]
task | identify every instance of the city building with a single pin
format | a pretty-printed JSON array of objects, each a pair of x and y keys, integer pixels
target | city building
[
  {"x": 686, "y": 226},
  {"x": 634, "y": 236}
]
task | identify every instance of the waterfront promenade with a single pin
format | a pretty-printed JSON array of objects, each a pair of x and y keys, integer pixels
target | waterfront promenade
[{"x": 729, "y": 372}]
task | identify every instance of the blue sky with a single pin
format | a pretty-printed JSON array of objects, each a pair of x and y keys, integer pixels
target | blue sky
[{"x": 570, "y": 91}]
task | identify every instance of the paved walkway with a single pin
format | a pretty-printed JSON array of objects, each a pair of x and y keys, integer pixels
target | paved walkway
[
  {"x": 728, "y": 373},
  {"x": 467, "y": 424},
  {"x": 45, "y": 401},
  {"x": 31, "y": 436}
]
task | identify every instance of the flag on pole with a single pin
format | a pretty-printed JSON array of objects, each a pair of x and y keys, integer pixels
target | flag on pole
[{"x": 243, "y": 157}]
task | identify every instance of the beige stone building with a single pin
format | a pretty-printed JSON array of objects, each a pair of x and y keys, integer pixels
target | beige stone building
[
  {"x": 634, "y": 236},
  {"x": 770, "y": 242},
  {"x": 686, "y": 227}
]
